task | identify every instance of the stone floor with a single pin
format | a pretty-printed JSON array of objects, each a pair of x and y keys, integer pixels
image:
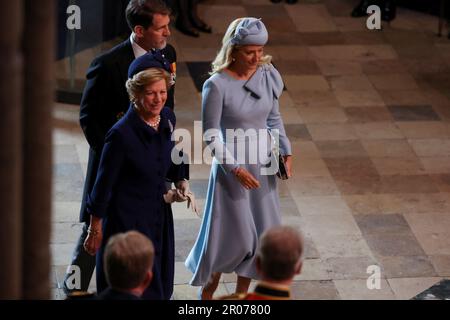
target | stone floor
[{"x": 368, "y": 115}]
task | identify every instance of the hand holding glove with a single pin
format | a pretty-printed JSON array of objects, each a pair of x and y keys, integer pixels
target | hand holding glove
[
  {"x": 174, "y": 195},
  {"x": 181, "y": 194},
  {"x": 183, "y": 187},
  {"x": 191, "y": 202}
]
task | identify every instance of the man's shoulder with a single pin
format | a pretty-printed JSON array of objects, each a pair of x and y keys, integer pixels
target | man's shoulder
[
  {"x": 119, "y": 51},
  {"x": 112, "y": 294},
  {"x": 170, "y": 52},
  {"x": 169, "y": 48}
]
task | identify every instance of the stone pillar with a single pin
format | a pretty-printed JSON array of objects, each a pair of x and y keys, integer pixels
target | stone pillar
[
  {"x": 11, "y": 149},
  {"x": 38, "y": 50}
]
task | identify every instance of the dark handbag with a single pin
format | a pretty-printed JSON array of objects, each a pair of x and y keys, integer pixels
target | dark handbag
[
  {"x": 276, "y": 156},
  {"x": 282, "y": 172}
]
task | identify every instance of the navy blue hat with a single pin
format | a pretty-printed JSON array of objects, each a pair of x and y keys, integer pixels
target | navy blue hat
[{"x": 147, "y": 61}]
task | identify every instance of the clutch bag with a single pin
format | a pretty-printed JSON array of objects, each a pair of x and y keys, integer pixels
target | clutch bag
[{"x": 282, "y": 172}]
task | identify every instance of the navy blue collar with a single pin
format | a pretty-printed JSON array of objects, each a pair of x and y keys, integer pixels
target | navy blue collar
[{"x": 165, "y": 125}]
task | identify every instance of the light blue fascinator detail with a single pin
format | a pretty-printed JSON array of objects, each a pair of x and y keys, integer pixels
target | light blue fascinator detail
[{"x": 250, "y": 31}]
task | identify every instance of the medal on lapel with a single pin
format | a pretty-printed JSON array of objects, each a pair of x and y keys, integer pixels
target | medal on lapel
[{"x": 173, "y": 72}]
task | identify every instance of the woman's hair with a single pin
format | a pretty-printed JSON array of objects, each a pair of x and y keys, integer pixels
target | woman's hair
[
  {"x": 223, "y": 58},
  {"x": 140, "y": 80}
]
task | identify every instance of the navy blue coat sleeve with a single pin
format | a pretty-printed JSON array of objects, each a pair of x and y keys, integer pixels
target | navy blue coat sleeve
[
  {"x": 110, "y": 165},
  {"x": 178, "y": 172}
]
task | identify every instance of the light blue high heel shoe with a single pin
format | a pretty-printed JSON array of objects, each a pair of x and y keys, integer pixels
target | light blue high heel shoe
[{"x": 199, "y": 293}]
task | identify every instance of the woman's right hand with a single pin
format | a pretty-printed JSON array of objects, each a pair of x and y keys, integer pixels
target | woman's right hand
[
  {"x": 247, "y": 180},
  {"x": 93, "y": 240}
]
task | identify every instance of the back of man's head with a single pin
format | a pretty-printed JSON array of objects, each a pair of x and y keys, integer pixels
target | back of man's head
[
  {"x": 140, "y": 12},
  {"x": 280, "y": 253},
  {"x": 127, "y": 260}
]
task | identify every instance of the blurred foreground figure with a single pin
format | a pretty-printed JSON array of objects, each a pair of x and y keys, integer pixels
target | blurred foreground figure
[
  {"x": 128, "y": 263},
  {"x": 278, "y": 261}
]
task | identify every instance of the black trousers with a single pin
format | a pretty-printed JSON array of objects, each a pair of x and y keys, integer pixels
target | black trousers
[{"x": 85, "y": 263}]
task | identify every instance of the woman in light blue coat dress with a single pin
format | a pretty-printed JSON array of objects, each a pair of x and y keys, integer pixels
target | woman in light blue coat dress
[{"x": 239, "y": 106}]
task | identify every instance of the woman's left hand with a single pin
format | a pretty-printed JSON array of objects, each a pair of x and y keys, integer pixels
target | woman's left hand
[
  {"x": 288, "y": 162},
  {"x": 93, "y": 240}
]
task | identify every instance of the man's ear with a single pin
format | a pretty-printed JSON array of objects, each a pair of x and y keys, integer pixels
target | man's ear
[
  {"x": 138, "y": 31},
  {"x": 148, "y": 278}
]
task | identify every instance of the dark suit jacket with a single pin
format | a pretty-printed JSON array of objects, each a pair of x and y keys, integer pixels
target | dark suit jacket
[
  {"x": 128, "y": 193},
  {"x": 263, "y": 291},
  {"x": 105, "y": 100},
  {"x": 111, "y": 294}
]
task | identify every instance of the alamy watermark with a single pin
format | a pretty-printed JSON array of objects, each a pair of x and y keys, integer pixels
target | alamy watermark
[
  {"x": 74, "y": 19},
  {"x": 73, "y": 278},
  {"x": 374, "y": 280},
  {"x": 374, "y": 20},
  {"x": 233, "y": 146}
]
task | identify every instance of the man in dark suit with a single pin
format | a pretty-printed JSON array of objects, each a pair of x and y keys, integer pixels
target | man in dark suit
[
  {"x": 278, "y": 260},
  {"x": 128, "y": 262},
  {"x": 105, "y": 100}
]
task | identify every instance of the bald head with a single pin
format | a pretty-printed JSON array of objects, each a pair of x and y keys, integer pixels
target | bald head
[{"x": 280, "y": 253}]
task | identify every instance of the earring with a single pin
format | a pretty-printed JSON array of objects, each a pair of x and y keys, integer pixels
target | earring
[{"x": 233, "y": 59}]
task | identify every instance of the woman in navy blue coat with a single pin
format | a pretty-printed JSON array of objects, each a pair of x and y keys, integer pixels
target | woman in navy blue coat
[{"x": 134, "y": 168}]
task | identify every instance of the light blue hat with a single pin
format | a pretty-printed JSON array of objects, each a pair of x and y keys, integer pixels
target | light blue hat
[{"x": 250, "y": 31}]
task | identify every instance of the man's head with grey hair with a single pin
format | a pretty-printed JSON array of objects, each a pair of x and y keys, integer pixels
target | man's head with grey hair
[
  {"x": 128, "y": 261},
  {"x": 280, "y": 253}
]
